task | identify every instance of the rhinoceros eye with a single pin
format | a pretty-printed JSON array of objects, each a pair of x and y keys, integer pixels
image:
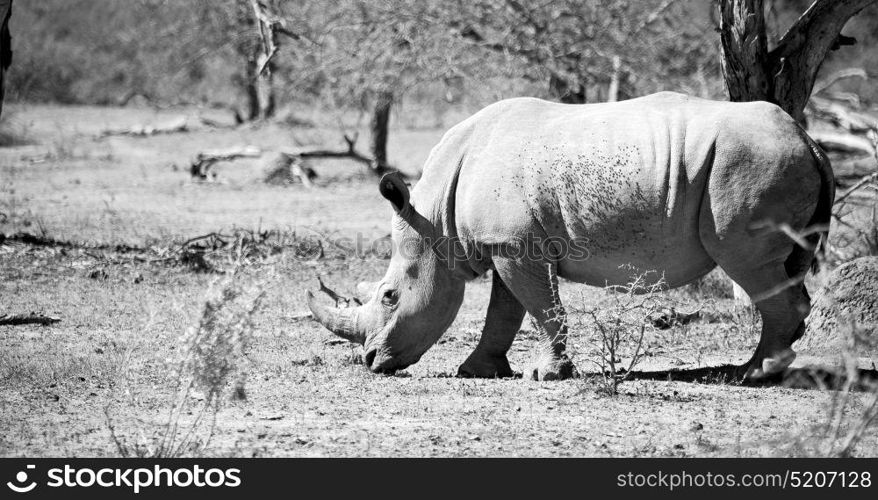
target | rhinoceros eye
[{"x": 389, "y": 297}]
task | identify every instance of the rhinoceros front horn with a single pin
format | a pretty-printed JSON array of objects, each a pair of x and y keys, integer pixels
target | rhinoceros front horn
[{"x": 342, "y": 322}]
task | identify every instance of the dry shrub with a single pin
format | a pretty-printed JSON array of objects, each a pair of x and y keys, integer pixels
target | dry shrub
[
  {"x": 217, "y": 251},
  {"x": 209, "y": 365},
  {"x": 215, "y": 347},
  {"x": 617, "y": 325},
  {"x": 856, "y": 234}
]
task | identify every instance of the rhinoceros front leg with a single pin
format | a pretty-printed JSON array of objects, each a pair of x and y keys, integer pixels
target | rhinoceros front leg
[
  {"x": 503, "y": 320},
  {"x": 535, "y": 284}
]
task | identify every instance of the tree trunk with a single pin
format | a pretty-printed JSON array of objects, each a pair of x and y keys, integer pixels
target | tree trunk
[
  {"x": 745, "y": 50},
  {"x": 613, "y": 91},
  {"x": 786, "y": 74},
  {"x": 251, "y": 91},
  {"x": 264, "y": 89},
  {"x": 565, "y": 92},
  {"x": 5, "y": 46},
  {"x": 258, "y": 88},
  {"x": 378, "y": 126}
]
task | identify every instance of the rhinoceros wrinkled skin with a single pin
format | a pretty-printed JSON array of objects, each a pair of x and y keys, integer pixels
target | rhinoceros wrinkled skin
[{"x": 535, "y": 190}]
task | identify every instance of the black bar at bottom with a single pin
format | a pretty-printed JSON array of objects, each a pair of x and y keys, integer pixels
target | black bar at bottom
[{"x": 494, "y": 478}]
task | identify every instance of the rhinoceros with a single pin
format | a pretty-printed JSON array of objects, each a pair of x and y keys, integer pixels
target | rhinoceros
[{"x": 535, "y": 190}]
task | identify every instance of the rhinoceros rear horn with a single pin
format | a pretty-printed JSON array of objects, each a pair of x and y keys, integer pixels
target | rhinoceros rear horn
[{"x": 342, "y": 322}]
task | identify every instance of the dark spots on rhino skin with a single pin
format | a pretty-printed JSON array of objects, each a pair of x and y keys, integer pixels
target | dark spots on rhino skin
[
  {"x": 600, "y": 197},
  {"x": 597, "y": 196}
]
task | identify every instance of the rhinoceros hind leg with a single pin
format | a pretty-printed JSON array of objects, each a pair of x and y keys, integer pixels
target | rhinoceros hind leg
[
  {"x": 783, "y": 306},
  {"x": 503, "y": 320},
  {"x": 755, "y": 257},
  {"x": 535, "y": 284}
]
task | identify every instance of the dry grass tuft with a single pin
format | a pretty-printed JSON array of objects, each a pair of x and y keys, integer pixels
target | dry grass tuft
[
  {"x": 850, "y": 413},
  {"x": 211, "y": 358}
]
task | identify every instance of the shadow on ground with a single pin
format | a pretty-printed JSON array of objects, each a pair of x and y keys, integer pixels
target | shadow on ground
[{"x": 810, "y": 377}]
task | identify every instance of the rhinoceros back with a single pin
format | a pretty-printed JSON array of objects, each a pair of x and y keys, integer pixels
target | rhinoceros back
[{"x": 623, "y": 181}]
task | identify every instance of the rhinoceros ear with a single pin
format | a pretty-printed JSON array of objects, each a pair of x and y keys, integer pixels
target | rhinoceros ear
[{"x": 393, "y": 188}]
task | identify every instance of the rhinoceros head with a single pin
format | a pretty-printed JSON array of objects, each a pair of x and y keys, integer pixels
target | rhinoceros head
[{"x": 415, "y": 302}]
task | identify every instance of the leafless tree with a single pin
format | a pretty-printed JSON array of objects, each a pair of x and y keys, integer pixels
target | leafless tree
[
  {"x": 611, "y": 50},
  {"x": 783, "y": 74},
  {"x": 5, "y": 46}
]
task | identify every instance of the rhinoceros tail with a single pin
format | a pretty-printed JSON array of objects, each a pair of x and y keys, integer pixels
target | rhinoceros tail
[{"x": 802, "y": 259}]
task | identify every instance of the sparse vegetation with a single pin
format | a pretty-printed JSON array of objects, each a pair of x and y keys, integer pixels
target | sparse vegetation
[
  {"x": 851, "y": 407},
  {"x": 211, "y": 358},
  {"x": 109, "y": 234},
  {"x": 617, "y": 327}
]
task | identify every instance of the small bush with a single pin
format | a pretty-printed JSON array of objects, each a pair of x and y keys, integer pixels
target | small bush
[
  {"x": 619, "y": 323},
  {"x": 211, "y": 359}
]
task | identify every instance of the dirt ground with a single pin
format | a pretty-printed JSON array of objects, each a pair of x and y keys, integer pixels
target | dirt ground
[{"x": 109, "y": 213}]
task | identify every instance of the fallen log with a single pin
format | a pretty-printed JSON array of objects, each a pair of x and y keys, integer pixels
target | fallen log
[
  {"x": 178, "y": 124},
  {"x": 217, "y": 124},
  {"x": 351, "y": 153},
  {"x": 842, "y": 115},
  {"x": 853, "y": 168},
  {"x": 849, "y": 98},
  {"x": 27, "y": 319},
  {"x": 289, "y": 165},
  {"x": 838, "y": 76},
  {"x": 203, "y": 161},
  {"x": 842, "y": 142},
  {"x": 286, "y": 169},
  {"x": 865, "y": 181}
]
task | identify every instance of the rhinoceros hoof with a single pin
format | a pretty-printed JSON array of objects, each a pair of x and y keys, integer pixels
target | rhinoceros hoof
[
  {"x": 485, "y": 367},
  {"x": 770, "y": 367},
  {"x": 560, "y": 369}
]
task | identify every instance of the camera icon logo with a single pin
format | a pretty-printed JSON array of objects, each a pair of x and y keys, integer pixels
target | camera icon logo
[{"x": 20, "y": 479}]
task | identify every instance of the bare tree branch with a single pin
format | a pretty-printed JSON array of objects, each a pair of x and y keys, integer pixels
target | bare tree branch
[{"x": 801, "y": 51}]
